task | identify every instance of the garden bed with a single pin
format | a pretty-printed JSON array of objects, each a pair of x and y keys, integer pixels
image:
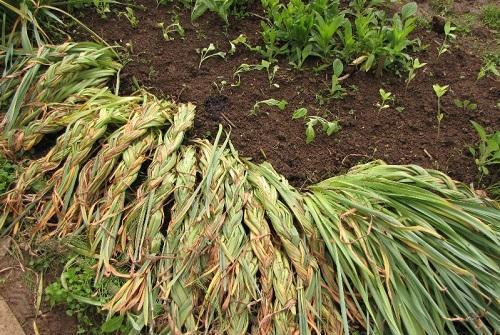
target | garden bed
[{"x": 170, "y": 68}]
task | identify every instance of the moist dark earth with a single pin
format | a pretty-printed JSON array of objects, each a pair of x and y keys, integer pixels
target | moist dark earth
[{"x": 170, "y": 69}]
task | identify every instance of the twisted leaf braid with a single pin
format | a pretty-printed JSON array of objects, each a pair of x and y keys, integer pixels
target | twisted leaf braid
[
  {"x": 174, "y": 288},
  {"x": 112, "y": 207},
  {"x": 262, "y": 246},
  {"x": 152, "y": 115}
]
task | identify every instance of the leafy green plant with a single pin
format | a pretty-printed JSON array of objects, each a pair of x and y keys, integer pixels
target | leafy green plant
[
  {"x": 487, "y": 152},
  {"x": 209, "y": 52},
  {"x": 466, "y": 105},
  {"x": 221, "y": 7},
  {"x": 448, "y": 37},
  {"x": 320, "y": 28},
  {"x": 130, "y": 16},
  {"x": 328, "y": 127},
  {"x": 280, "y": 104},
  {"x": 174, "y": 27},
  {"x": 7, "y": 174},
  {"x": 412, "y": 71},
  {"x": 439, "y": 91},
  {"x": 264, "y": 65},
  {"x": 385, "y": 98}
]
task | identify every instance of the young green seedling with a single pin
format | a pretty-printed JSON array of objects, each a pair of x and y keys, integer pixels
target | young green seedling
[
  {"x": 281, "y": 104},
  {"x": 466, "y": 105},
  {"x": 264, "y": 65},
  {"x": 208, "y": 52},
  {"x": 336, "y": 90},
  {"x": 385, "y": 97},
  {"x": 412, "y": 71},
  {"x": 175, "y": 27},
  {"x": 241, "y": 39},
  {"x": 448, "y": 36},
  {"x": 439, "y": 91},
  {"x": 130, "y": 16}
]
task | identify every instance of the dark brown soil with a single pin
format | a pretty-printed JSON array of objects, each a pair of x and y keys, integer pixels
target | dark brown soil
[
  {"x": 18, "y": 287},
  {"x": 170, "y": 68}
]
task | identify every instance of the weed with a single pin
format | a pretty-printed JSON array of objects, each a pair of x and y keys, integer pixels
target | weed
[
  {"x": 466, "y": 105},
  {"x": 281, "y": 104},
  {"x": 490, "y": 16},
  {"x": 439, "y": 91},
  {"x": 448, "y": 36},
  {"x": 209, "y": 52},
  {"x": 7, "y": 174},
  {"x": 77, "y": 292}
]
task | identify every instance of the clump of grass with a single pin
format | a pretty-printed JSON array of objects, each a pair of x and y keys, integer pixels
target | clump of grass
[
  {"x": 442, "y": 6},
  {"x": 491, "y": 16}
]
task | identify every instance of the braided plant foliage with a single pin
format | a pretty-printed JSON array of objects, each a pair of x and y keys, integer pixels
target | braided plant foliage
[{"x": 202, "y": 241}]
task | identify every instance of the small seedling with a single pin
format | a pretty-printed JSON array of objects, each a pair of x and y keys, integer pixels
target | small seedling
[
  {"x": 439, "y": 91},
  {"x": 281, "y": 104},
  {"x": 220, "y": 86},
  {"x": 385, "y": 97},
  {"x": 130, "y": 16},
  {"x": 299, "y": 113},
  {"x": 241, "y": 39},
  {"x": 448, "y": 37},
  {"x": 412, "y": 71},
  {"x": 329, "y": 127},
  {"x": 336, "y": 90},
  {"x": 264, "y": 65},
  {"x": 209, "y": 52},
  {"x": 175, "y": 27},
  {"x": 466, "y": 105}
]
